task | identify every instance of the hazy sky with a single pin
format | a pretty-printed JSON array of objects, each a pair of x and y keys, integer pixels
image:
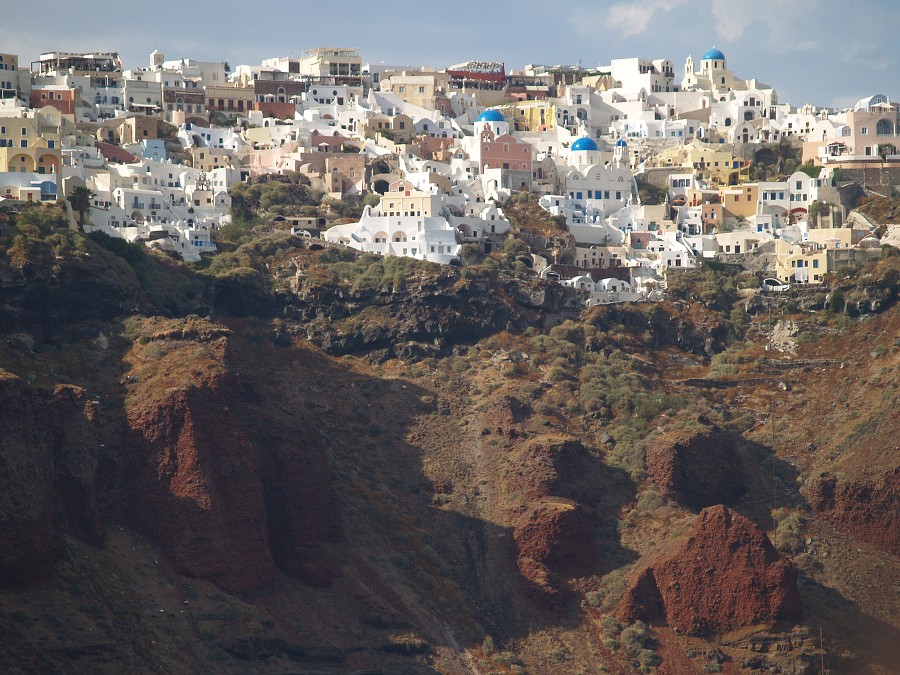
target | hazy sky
[{"x": 825, "y": 52}]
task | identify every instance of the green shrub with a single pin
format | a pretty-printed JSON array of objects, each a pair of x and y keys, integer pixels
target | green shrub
[
  {"x": 647, "y": 657},
  {"x": 611, "y": 590},
  {"x": 789, "y": 531},
  {"x": 649, "y": 501},
  {"x": 610, "y": 626},
  {"x": 636, "y": 638}
]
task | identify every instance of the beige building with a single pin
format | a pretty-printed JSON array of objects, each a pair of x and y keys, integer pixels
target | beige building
[
  {"x": 421, "y": 88},
  {"x": 14, "y": 83},
  {"x": 398, "y": 128},
  {"x": 207, "y": 159},
  {"x": 869, "y": 132},
  {"x": 402, "y": 199},
  {"x": 229, "y": 99},
  {"x": 335, "y": 64}
]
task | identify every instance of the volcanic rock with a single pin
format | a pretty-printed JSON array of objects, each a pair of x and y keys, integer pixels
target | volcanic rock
[
  {"x": 553, "y": 538},
  {"x": 726, "y": 575},
  {"x": 863, "y": 508},
  {"x": 49, "y": 463},
  {"x": 697, "y": 468}
]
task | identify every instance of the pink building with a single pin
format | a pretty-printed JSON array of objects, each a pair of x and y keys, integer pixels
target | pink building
[{"x": 505, "y": 152}]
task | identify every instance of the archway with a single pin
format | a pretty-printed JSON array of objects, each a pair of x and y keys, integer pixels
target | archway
[
  {"x": 21, "y": 164},
  {"x": 381, "y": 186},
  {"x": 48, "y": 164},
  {"x": 884, "y": 128}
]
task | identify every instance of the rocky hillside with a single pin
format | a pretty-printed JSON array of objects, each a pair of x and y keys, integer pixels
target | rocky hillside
[{"x": 303, "y": 460}]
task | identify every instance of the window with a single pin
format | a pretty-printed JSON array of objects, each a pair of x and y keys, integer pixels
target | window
[
  {"x": 864, "y": 131},
  {"x": 816, "y": 263}
]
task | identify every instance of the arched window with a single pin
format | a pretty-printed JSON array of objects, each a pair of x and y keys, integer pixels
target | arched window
[{"x": 884, "y": 127}]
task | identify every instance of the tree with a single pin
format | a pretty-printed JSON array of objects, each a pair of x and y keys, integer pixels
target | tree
[
  {"x": 810, "y": 169},
  {"x": 80, "y": 199},
  {"x": 816, "y": 208}
]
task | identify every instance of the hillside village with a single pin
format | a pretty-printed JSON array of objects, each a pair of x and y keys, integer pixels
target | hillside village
[{"x": 638, "y": 172}]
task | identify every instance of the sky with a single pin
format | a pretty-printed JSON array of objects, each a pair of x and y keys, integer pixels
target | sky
[{"x": 825, "y": 52}]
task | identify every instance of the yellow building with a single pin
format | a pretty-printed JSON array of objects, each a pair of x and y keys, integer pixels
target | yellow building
[
  {"x": 802, "y": 263},
  {"x": 229, "y": 99},
  {"x": 709, "y": 162},
  {"x": 207, "y": 159},
  {"x": 402, "y": 199},
  {"x": 739, "y": 201},
  {"x": 530, "y": 115},
  {"x": 29, "y": 141},
  {"x": 398, "y": 128}
]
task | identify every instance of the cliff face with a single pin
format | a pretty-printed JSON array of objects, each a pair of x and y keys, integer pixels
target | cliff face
[
  {"x": 48, "y": 451},
  {"x": 724, "y": 576},
  {"x": 424, "y": 315},
  {"x": 450, "y": 477},
  {"x": 864, "y": 508},
  {"x": 228, "y": 492}
]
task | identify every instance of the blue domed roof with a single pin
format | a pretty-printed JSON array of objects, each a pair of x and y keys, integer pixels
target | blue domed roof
[
  {"x": 621, "y": 143},
  {"x": 583, "y": 143},
  {"x": 491, "y": 116},
  {"x": 713, "y": 55}
]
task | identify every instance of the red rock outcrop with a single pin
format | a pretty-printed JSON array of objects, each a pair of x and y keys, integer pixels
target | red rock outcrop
[
  {"x": 553, "y": 537},
  {"x": 48, "y": 457},
  {"x": 199, "y": 496},
  {"x": 506, "y": 413},
  {"x": 865, "y": 509},
  {"x": 696, "y": 468},
  {"x": 561, "y": 487},
  {"x": 229, "y": 497},
  {"x": 724, "y": 576}
]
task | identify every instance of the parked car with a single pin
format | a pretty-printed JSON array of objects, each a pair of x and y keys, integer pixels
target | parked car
[{"x": 775, "y": 285}]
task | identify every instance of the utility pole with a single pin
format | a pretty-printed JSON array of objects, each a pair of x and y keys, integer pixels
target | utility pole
[{"x": 822, "y": 650}]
